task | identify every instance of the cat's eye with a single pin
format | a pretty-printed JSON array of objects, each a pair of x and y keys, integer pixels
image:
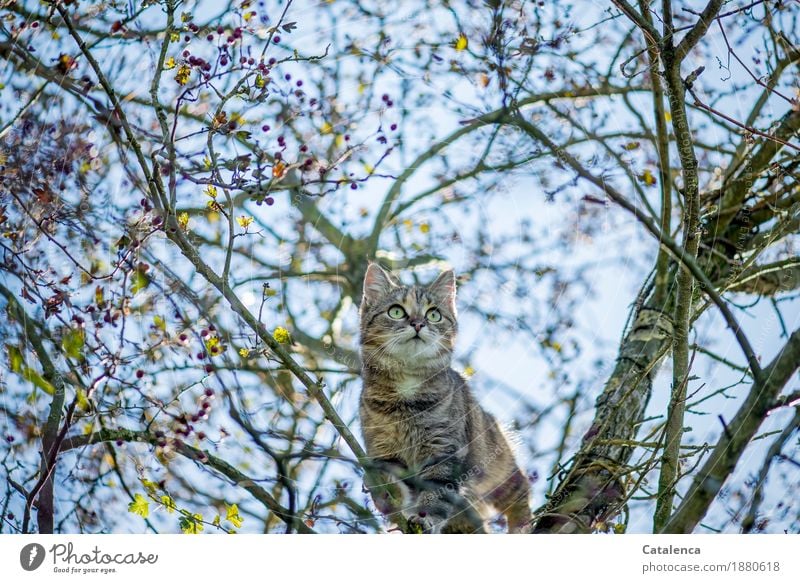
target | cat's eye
[
  {"x": 434, "y": 315},
  {"x": 397, "y": 313}
]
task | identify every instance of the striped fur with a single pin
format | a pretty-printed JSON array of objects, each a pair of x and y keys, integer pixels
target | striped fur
[{"x": 419, "y": 416}]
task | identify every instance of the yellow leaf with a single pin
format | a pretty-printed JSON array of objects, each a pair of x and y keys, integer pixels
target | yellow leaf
[
  {"x": 469, "y": 371},
  {"x": 667, "y": 116},
  {"x": 244, "y": 221},
  {"x": 139, "y": 506},
  {"x": 648, "y": 178},
  {"x": 408, "y": 224},
  {"x": 326, "y": 128},
  {"x": 183, "y": 220},
  {"x": 150, "y": 486},
  {"x": 159, "y": 323},
  {"x": 631, "y": 146},
  {"x": 244, "y": 352},
  {"x": 461, "y": 42},
  {"x": 169, "y": 503},
  {"x": 424, "y": 227},
  {"x": 279, "y": 169},
  {"x": 183, "y": 74},
  {"x": 281, "y": 335},
  {"x": 232, "y": 515},
  {"x": 211, "y": 191},
  {"x": 169, "y": 64}
]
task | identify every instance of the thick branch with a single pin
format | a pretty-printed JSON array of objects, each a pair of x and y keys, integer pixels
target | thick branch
[
  {"x": 44, "y": 486},
  {"x": 699, "y": 30},
  {"x": 770, "y": 279},
  {"x": 734, "y": 440}
]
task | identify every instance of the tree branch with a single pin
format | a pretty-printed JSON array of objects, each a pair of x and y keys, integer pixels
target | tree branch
[
  {"x": 203, "y": 457},
  {"x": 732, "y": 443}
]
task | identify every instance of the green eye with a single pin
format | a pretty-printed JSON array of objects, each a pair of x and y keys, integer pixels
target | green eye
[
  {"x": 397, "y": 313},
  {"x": 434, "y": 315}
]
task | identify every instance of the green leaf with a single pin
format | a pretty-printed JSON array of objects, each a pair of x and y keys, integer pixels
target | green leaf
[
  {"x": 140, "y": 281},
  {"x": 140, "y": 506},
  {"x": 160, "y": 323},
  {"x": 73, "y": 342},
  {"x": 38, "y": 380},
  {"x": 192, "y": 524},
  {"x": 83, "y": 401},
  {"x": 233, "y": 517},
  {"x": 15, "y": 359}
]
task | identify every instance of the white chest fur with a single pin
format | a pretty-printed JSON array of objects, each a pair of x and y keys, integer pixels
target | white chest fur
[{"x": 408, "y": 386}]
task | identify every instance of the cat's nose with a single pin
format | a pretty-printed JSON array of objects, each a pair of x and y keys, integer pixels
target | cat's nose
[{"x": 417, "y": 323}]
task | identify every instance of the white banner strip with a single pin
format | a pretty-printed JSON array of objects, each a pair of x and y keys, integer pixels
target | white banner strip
[{"x": 406, "y": 559}]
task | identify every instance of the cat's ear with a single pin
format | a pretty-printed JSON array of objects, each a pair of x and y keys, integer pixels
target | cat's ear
[
  {"x": 444, "y": 290},
  {"x": 377, "y": 283}
]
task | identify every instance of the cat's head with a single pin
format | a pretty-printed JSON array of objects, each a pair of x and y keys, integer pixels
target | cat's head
[{"x": 407, "y": 328}]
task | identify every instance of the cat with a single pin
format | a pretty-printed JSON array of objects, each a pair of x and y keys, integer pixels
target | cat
[{"x": 419, "y": 417}]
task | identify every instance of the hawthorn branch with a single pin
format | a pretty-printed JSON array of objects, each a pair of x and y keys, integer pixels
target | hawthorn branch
[{"x": 200, "y": 456}]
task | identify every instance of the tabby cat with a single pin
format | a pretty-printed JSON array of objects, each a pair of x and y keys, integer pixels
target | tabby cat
[{"x": 419, "y": 417}]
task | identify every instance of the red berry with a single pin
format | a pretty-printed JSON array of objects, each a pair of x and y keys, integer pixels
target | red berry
[{"x": 139, "y": 373}]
